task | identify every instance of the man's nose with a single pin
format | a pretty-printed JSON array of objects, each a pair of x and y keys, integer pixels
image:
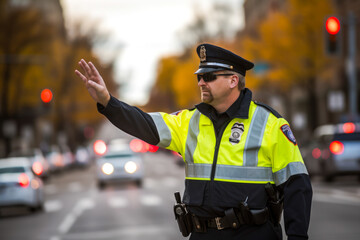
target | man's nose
[{"x": 201, "y": 82}]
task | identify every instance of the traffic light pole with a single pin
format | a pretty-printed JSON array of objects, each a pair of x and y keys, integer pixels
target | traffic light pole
[{"x": 351, "y": 66}]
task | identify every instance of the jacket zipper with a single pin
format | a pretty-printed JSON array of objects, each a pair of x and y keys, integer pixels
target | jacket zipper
[{"x": 217, "y": 146}]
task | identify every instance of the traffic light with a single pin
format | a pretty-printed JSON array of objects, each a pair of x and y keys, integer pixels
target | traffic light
[
  {"x": 332, "y": 36},
  {"x": 46, "y": 95}
]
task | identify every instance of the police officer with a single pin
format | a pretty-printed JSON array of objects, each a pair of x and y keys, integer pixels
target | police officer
[{"x": 243, "y": 164}]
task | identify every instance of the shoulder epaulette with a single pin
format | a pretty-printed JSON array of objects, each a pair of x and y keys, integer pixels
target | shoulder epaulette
[{"x": 276, "y": 114}]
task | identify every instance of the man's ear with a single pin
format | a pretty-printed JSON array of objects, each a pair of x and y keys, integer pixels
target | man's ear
[{"x": 234, "y": 81}]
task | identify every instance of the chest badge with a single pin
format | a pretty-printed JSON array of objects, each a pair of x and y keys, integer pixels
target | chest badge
[{"x": 236, "y": 131}]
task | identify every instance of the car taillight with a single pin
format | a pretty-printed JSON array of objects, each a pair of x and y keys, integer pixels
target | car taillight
[
  {"x": 316, "y": 153},
  {"x": 336, "y": 147},
  {"x": 349, "y": 127},
  {"x": 24, "y": 180},
  {"x": 176, "y": 153},
  {"x": 137, "y": 145},
  {"x": 153, "y": 148},
  {"x": 100, "y": 147},
  {"x": 37, "y": 168}
]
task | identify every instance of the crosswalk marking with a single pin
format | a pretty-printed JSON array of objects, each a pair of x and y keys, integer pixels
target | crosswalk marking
[
  {"x": 52, "y": 205},
  {"x": 118, "y": 202},
  {"x": 151, "y": 200}
]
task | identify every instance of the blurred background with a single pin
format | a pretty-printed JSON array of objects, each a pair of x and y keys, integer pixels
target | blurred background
[{"x": 305, "y": 55}]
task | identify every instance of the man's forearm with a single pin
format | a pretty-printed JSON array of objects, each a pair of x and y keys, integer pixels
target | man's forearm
[{"x": 131, "y": 120}]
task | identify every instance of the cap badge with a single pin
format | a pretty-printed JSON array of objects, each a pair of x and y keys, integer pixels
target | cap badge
[
  {"x": 236, "y": 131},
  {"x": 202, "y": 54}
]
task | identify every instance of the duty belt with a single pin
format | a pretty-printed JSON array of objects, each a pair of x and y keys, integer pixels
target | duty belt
[{"x": 233, "y": 218}]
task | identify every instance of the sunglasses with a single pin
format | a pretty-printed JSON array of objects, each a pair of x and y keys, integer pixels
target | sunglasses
[{"x": 208, "y": 77}]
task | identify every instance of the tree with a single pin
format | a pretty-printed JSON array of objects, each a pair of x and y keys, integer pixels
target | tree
[{"x": 291, "y": 44}]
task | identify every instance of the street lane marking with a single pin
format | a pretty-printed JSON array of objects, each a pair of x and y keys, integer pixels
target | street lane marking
[
  {"x": 52, "y": 205},
  {"x": 80, "y": 207},
  {"x": 118, "y": 202},
  {"x": 151, "y": 200}
]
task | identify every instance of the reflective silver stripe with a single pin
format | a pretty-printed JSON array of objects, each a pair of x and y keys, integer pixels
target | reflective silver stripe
[
  {"x": 200, "y": 170},
  {"x": 255, "y": 136},
  {"x": 240, "y": 173},
  {"x": 216, "y": 65},
  {"x": 291, "y": 169},
  {"x": 191, "y": 139},
  {"x": 163, "y": 130}
]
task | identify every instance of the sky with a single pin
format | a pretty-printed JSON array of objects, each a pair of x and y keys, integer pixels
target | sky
[{"x": 140, "y": 32}]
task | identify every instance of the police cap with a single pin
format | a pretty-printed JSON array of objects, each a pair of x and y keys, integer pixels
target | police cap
[{"x": 214, "y": 58}]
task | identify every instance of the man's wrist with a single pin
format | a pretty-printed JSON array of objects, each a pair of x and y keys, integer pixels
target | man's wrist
[{"x": 106, "y": 101}]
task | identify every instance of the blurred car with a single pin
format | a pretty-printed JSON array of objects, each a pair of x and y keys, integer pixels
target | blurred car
[
  {"x": 40, "y": 165},
  {"x": 19, "y": 186},
  {"x": 55, "y": 159},
  {"x": 334, "y": 151},
  {"x": 119, "y": 164},
  {"x": 82, "y": 157},
  {"x": 68, "y": 156}
]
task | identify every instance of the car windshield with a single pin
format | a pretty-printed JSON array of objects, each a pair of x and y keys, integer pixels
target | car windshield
[
  {"x": 12, "y": 170},
  {"x": 119, "y": 155}
]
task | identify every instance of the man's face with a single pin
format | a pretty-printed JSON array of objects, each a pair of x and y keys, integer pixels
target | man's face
[{"x": 215, "y": 91}]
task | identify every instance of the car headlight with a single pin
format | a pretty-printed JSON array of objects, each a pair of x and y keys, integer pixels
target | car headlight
[
  {"x": 107, "y": 168},
  {"x": 130, "y": 167}
]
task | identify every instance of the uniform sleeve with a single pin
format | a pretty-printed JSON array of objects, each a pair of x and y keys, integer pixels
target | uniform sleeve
[
  {"x": 292, "y": 178},
  {"x": 131, "y": 120},
  {"x": 297, "y": 206}
]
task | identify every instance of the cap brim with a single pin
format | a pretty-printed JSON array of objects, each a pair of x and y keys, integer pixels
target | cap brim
[{"x": 206, "y": 70}]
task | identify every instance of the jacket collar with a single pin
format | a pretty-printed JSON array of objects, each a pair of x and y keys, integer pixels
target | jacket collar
[{"x": 239, "y": 109}]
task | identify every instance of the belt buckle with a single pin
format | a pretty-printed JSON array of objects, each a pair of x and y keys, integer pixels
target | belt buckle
[{"x": 218, "y": 223}]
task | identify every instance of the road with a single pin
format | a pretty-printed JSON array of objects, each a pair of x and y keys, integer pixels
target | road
[{"x": 76, "y": 209}]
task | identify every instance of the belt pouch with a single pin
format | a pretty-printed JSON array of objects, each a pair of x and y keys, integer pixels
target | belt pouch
[
  {"x": 231, "y": 218},
  {"x": 260, "y": 217}
]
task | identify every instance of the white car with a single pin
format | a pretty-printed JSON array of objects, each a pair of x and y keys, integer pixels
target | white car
[
  {"x": 19, "y": 186},
  {"x": 40, "y": 165},
  {"x": 119, "y": 164}
]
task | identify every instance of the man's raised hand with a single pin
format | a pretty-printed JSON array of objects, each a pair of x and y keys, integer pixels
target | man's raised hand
[{"x": 94, "y": 82}]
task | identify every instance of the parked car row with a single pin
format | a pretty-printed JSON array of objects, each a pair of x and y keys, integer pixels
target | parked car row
[{"x": 22, "y": 173}]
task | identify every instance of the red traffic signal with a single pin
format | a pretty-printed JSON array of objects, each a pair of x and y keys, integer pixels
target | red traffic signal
[
  {"x": 332, "y": 36},
  {"x": 46, "y": 95},
  {"x": 332, "y": 25}
]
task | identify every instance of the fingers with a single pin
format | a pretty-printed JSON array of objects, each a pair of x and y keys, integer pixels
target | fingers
[
  {"x": 95, "y": 85},
  {"x": 93, "y": 69},
  {"x": 81, "y": 76},
  {"x": 85, "y": 67}
]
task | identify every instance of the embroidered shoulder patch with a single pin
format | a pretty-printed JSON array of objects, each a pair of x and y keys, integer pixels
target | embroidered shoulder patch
[{"x": 288, "y": 133}]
